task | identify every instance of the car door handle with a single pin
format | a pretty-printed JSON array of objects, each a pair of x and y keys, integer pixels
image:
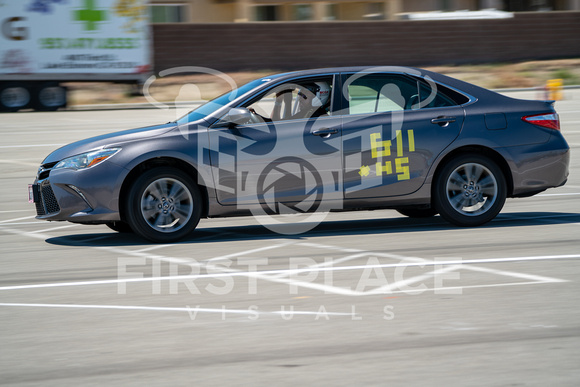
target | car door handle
[
  {"x": 325, "y": 132},
  {"x": 443, "y": 121}
]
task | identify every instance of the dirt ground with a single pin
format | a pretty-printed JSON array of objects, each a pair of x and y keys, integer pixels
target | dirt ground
[{"x": 205, "y": 86}]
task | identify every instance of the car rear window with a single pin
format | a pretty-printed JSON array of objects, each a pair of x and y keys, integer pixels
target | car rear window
[
  {"x": 443, "y": 96},
  {"x": 376, "y": 93}
]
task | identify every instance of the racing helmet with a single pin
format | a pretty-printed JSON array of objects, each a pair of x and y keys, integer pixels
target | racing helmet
[{"x": 320, "y": 93}]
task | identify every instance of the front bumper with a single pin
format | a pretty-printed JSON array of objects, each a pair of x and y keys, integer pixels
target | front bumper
[{"x": 80, "y": 196}]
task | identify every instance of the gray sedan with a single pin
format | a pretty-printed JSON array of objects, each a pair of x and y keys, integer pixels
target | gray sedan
[{"x": 292, "y": 147}]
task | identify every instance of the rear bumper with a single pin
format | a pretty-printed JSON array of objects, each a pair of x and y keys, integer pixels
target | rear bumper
[{"x": 536, "y": 168}]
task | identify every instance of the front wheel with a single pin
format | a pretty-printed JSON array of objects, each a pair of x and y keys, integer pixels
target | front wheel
[
  {"x": 163, "y": 205},
  {"x": 470, "y": 190}
]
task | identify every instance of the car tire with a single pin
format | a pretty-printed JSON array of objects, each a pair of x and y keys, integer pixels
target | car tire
[
  {"x": 470, "y": 190},
  {"x": 163, "y": 205},
  {"x": 120, "y": 227},
  {"x": 418, "y": 212}
]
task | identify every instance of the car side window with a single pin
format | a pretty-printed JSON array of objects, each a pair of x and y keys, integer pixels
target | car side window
[
  {"x": 295, "y": 100},
  {"x": 378, "y": 93},
  {"x": 433, "y": 95}
]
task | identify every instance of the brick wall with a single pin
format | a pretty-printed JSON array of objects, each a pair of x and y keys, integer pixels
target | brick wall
[{"x": 287, "y": 46}]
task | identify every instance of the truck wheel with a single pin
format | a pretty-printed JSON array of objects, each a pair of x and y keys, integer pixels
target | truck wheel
[
  {"x": 14, "y": 97},
  {"x": 49, "y": 97},
  {"x": 470, "y": 190},
  {"x": 163, "y": 205}
]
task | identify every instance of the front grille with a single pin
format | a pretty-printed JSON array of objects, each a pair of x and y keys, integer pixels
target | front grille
[
  {"x": 49, "y": 200},
  {"x": 39, "y": 208},
  {"x": 47, "y": 203},
  {"x": 44, "y": 170}
]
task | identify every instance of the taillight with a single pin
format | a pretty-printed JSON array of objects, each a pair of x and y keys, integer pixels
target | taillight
[{"x": 548, "y": 120}]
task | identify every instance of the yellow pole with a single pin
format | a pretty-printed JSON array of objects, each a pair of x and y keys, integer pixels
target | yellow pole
[{"x": 554, "y": 87}]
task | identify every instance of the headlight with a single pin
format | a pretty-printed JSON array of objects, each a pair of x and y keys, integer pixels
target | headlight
[{"x": 87, "y": 160}]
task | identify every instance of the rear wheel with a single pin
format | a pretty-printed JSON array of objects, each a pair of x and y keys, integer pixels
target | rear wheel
[
  {"x": 163, "y": 205},
  {"x": 470, "y": 190}
]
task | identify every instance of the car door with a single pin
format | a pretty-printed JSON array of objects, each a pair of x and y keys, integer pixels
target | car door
[
  {"x": 394, "y": 127},
  {"x": 280, "y": 161}
]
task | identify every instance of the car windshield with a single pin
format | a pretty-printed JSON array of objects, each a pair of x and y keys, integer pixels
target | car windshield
[{"x": 216, "y": 103}]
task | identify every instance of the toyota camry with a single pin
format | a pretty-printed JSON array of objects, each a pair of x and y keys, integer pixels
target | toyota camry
[{"x": 311, "y": 142}]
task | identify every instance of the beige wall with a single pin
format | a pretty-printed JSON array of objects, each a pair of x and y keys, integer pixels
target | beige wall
[
  {"x": 224, "y": 11},
  {"x": 435, "y": 5},
  {"x": 465, "y": 4},
  {"x": 207, "y": 11},
  {"x": 350, "y": 11},
  {"x": 420, "y": 5}
]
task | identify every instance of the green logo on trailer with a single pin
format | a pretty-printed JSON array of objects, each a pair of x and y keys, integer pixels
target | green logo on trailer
[{"x": 90, "y": 15}]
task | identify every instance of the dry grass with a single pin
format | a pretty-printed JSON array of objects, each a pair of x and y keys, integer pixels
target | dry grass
[
  {"x": 513, "y": 75},
  {"x": 204, "y": 86}
]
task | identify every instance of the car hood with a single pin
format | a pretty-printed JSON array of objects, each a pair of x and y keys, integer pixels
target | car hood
[{"x": 98, "y": 142}]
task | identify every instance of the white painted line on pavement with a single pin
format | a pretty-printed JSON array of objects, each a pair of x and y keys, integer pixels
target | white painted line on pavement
[
  {"x": 54, "y": 228},
  {"x": 561, "y": 194},
  {"x": 402, "y": 284},
  {"x": 151, "y": 248},
  {"x": 463, "y": 287},
  {"x": 52, "y": 132},
  {"x": 327, "y": 247},
  {"x": 196, "y": 309},
  {"x": 312, "y": 268},
  {"x": 29, "y": 146},
  {"x": 114, "y": 250},
  {"x": 17, "y": 219},
  {"x": 266, "y": 274},
  {"x": 22, "y": 224},
  {"x": 537, "y": 278},
  {"x": 19, "y": 162},
  {"x": 233, "y": 255}
]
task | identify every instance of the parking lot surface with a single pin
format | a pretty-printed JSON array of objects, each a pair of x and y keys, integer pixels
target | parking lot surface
[{"x": 365, "y": 298}]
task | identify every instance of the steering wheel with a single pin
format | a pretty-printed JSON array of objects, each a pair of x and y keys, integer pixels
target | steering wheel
[{"x": 413, "y": 100}]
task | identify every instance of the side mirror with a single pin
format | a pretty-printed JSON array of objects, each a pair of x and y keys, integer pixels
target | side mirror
[{"x": 238, "y": 116}]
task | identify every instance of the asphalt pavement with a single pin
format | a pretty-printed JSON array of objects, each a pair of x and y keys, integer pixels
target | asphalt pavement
[{"x": 365, "y": 299}]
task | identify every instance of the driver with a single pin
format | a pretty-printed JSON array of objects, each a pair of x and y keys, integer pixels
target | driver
[{"x": 313, "y": 100}]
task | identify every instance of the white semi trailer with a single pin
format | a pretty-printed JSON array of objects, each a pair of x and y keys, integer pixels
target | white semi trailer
[{"x": 44, "y": 43}]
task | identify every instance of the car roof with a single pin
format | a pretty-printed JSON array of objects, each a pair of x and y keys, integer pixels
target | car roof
[
  {"x": 333, "y": 70},
  {"x": 480, "y": 93},
  {"x": 413, "y": 71}
]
